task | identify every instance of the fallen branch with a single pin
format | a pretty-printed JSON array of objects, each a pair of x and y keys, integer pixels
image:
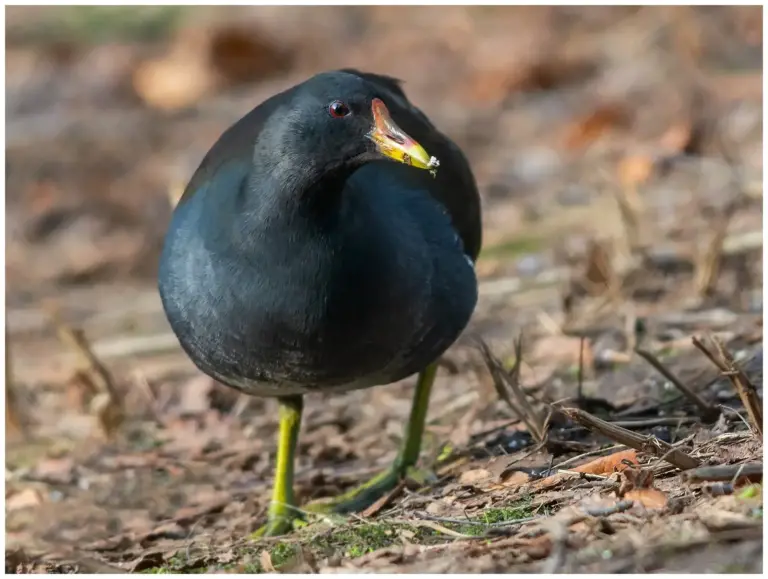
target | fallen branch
[{"x": 648, "y": 444}]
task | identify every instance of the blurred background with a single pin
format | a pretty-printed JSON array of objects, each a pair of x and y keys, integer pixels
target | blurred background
[{"x": 618, "y": 151}]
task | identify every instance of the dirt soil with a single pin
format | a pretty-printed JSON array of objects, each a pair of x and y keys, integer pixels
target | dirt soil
[{"x": 618, "y": 152}]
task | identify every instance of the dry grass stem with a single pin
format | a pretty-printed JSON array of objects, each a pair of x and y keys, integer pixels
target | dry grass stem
[
  {"x": 741, "y": 383},
  {"x": 507, "y": 384},
  {"x": 14, "y": 417},
  {"x": 106, "y": 404},
  {"x": 708, "y": 263},
  {"x": 709, "y": 412}
]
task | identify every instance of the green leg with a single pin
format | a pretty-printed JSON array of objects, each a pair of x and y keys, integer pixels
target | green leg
[
  {"x": 363, "y": 496},
  {"x": 282, "y": 509}
]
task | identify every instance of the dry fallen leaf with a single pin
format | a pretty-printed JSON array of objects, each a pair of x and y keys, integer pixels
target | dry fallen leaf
[
  {"x": 195, "y": 395},
  {"x": 649, "y": 498},
  {"x": 23, "y": 499},
  {"x": 515, "y": 478},
  {"x": 475, "y": 476},
  {"x": 608, "y": 464},
  {"x": 677, "y": 137},
  {"x": 635, "y": 170},
  {"x": 204, "y": 60},
  {"x": 266, "y": 562},
  {"x": 635, "y": 478},
  {"x": 173, "y": 82},
  {"x": 605, "y": 465},
  {"x": 242, "y": 54},
  {"x": 595, "y": 124},
  {"x": 54, "y": 471}
]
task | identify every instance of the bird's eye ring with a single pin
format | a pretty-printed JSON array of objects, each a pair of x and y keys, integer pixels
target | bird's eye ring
[{"x": 338, "y": 110}]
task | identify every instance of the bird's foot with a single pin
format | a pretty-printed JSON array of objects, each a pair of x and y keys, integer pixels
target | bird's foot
[
  {"x": 280, "y": 522},
  {"x": 363, "y": 496}
]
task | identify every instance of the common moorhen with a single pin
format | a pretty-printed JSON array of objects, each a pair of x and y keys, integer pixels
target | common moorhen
[{"x": 301, "y": 258}]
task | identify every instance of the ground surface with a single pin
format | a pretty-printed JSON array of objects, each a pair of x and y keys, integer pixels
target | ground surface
[{"x": 622, "y": 192}]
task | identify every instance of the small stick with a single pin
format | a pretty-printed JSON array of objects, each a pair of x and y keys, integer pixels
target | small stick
[
  {"x": 580, "y": 378},
  {"x": 384, "y": 501},
  {"x": 741, "y": 383},
  {"x": 441, "y": 529},
  {"x": 429, "y": 517},
  {"x": 661, "y": 421},
  {"x": 746, "y": 390},
  {"x": 751, "y": 471},
  {"x": 107, "y": 404},
  {"x": 648, "y": 444},
  {"x": 709, "y": 264},
  {"x": 619, "y": 507},
  {"x": 533, "y": 419},
  {"x": 14, "y": 419},
  {"x": 709, "y": 413},
  {"x": 76, "y": 340}
]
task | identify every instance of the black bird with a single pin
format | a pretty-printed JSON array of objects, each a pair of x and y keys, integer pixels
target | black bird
[{"x": 301, "y": 258}]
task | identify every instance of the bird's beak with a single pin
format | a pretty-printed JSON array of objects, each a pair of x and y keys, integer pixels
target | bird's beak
[{"x": 392, "y": 142}]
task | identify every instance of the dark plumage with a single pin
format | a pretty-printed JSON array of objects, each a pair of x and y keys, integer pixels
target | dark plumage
[
  {"x": 302, "y": 258},
  {"x": 289, "y": 268}
]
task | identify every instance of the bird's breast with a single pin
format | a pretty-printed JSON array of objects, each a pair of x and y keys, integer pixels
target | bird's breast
[{"x": 349, "y": 307}]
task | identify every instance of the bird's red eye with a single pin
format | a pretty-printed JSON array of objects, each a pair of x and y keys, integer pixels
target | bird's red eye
[{"x": 338, "y": 109}]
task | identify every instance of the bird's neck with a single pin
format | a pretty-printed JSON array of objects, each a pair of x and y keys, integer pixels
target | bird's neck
[{"x": 277, "y": 196}]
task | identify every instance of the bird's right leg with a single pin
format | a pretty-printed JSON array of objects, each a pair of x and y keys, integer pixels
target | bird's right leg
[{"x": 282, "y": 508}]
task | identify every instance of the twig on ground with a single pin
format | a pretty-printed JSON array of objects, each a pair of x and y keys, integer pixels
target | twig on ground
[
  {"x": 752, "y": 472},
  {"x": 584, "y": 475},
  {"x": 744, "y": 421},
  {"x": 14, "y": 417},
  {"x": 648, "y": 444},
  {"x": 441, "y": 529},
  {"x": 606, "y": 484},
  {"x": 580, "y": 378},
  {"x": 660, "y": 421},
  {"x": 501, "y": 524},
  {"x": 619, "y": 507},
  {"x": 709, "y": 412},
  {"x": 106, "y": 404},
  {"x": 384, "y": 500},
  {"x": 508, "y": 387},
  {"x": 745, "y": 389},
  {"x": 144, "y": 387}
]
